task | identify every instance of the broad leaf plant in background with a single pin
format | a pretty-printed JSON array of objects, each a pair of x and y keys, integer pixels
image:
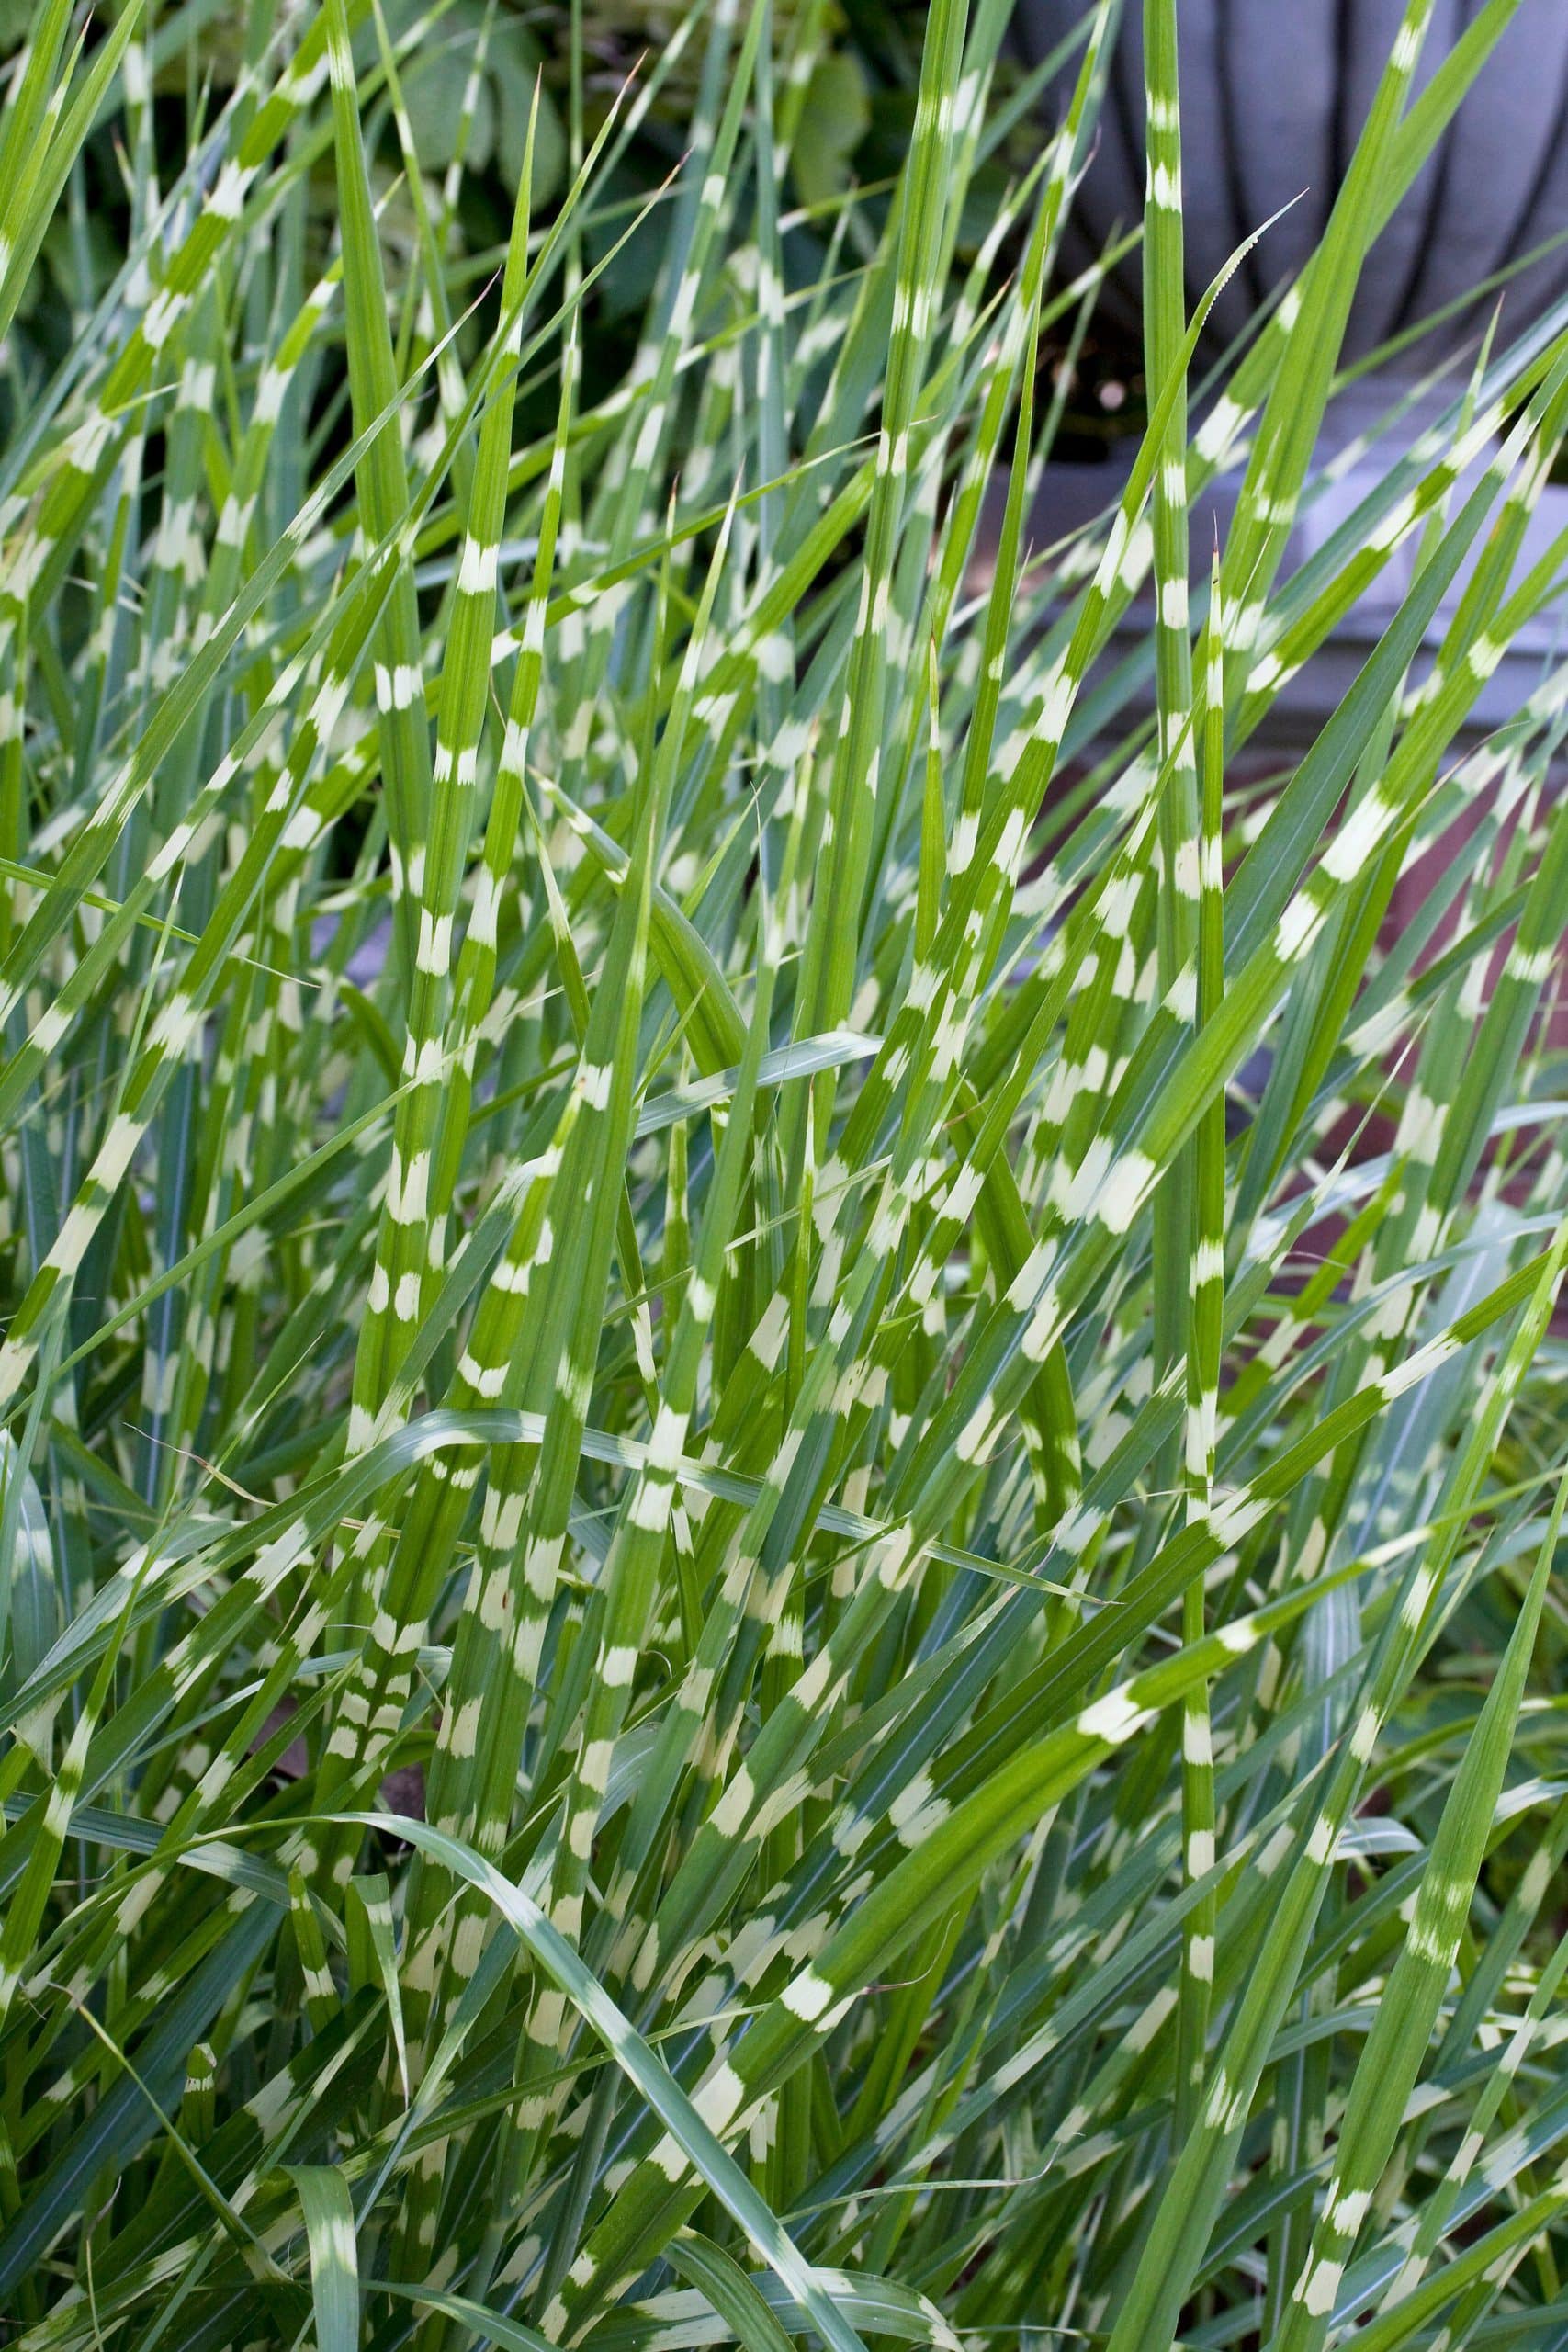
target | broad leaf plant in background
[{"x": 783, "y": 1467}]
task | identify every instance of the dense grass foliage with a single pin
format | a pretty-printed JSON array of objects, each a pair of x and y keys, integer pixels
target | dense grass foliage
[{"x": 783, "y": 1489}]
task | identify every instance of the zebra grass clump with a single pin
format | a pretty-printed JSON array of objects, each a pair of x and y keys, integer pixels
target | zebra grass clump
[{"x": 784, "y": 1459}]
